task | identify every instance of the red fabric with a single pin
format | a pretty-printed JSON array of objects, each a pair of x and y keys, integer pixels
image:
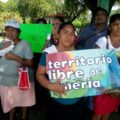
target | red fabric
[
  {"x": 105, "y": 104},
  {"x": 23, "y": 83},
  {"x": 75, "y": 40}
]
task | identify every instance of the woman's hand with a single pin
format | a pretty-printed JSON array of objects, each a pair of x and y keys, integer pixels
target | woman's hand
[
  {"x": 10, "y": 56},
  {"x": 57, "y": 87},
  {"x": 7, "y": 44},
  {"x": 114, "y": 94}
]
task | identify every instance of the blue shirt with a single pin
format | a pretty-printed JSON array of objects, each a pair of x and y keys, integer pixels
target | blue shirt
[{"x": 89, "y": 35}]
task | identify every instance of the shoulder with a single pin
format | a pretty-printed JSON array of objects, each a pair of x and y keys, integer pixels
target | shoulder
[
  {"x": 88, "y": 27},
  {"x": 86, "y": 30},
  {"x": 42, "y": 60},
  {"x": 102, "y": 42},
  {"x": 103, "y": 39},
  {"x": 51, "y": 49},
  {"x": 23, "y": 42},
  {"x": 24, "y": 46}
]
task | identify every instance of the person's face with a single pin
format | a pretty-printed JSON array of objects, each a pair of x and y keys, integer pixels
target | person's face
[
  {"x": 56, "y": 24},
  {"x": 115, "y": 28},
  {"x": 67, "y": 36},
  {"x": 11, "y": 33},
  {"x": 100, "y": 18}
]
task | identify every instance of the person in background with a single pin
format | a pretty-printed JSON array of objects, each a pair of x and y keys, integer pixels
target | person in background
[
  {"x": 53, "y": 38},
  {"x": 60, "y": 109},
  {"x": 11, "y": 95},
  {"x": 107, "y": 103},
  {"x": 41, "y": 21},
  {"x": 98, "y": 28},
  {"x": 86, "y": 40}
]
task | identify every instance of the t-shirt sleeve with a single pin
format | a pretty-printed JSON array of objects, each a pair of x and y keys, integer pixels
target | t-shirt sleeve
[
  {"x": 42, "y": 61},
  {"x": 28, "y": 54},
  {"x": 83, "y": 35},
  {"x": 101, "y": 42}
]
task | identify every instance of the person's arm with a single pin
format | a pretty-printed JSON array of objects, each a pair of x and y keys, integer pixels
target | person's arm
[
  {"x": 26, "y": 62},
  {"x": 101, "y": 43},
  {"x": 46, "y": 44},
  {"x": 42, "y": 79}
]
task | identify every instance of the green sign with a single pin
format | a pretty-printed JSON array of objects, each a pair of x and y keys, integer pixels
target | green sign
[{"x": 35, "y": 35}]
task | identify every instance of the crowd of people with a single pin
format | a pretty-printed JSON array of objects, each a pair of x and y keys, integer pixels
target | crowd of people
[{"x": 97, "y": 34}]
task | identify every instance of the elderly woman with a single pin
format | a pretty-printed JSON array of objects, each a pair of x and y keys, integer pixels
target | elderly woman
[{"x": 11, "y": 95}]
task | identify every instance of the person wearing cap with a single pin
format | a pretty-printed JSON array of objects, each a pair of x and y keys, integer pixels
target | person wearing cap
[
  {"x": 11, "y": 95},
  {"x": 6, "y": 45}
]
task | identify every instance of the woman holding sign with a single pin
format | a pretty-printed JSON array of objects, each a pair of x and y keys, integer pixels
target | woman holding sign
[
  {"x": 107, "y": 103},
  {"x": 59, "y": 108}
]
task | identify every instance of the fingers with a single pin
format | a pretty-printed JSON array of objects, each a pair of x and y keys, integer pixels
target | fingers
[
  {"x": 8, "y": 55},
  {"x": 58, "y": 87},
  {"x": 115, "y": 94}
]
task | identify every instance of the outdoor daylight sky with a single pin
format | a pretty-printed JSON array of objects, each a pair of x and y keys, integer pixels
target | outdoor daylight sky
[{"x": 4, "y": 0}]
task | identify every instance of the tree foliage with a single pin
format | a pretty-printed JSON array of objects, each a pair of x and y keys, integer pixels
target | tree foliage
[
  {"x": 37, "y": 8},
  {"x": 8, "y": 11},
  {"x": 73, "y": 8},
  {"x": 10, "y": 6},
  {"x": 34, "y": 9},
  {"x": 1, "y": 7},
  {"x": 23, "y": 8},
  {"x": 4, "y": 16}
]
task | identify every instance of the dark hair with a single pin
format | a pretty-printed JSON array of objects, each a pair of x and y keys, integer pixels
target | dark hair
[
  {"x": 41, "y": 20},
  {"x": 59, "y": 18},
  {"x": 18, "y": 29},
  {"x": 100, "y": 9},
  {"x": 64, "y": 25},
  {"x": 113, "y": 18}
]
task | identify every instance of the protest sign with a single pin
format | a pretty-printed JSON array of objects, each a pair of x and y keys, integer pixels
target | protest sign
[
  {"x": 84, "y": 72},
  {"x": 35, "y": 35}
]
